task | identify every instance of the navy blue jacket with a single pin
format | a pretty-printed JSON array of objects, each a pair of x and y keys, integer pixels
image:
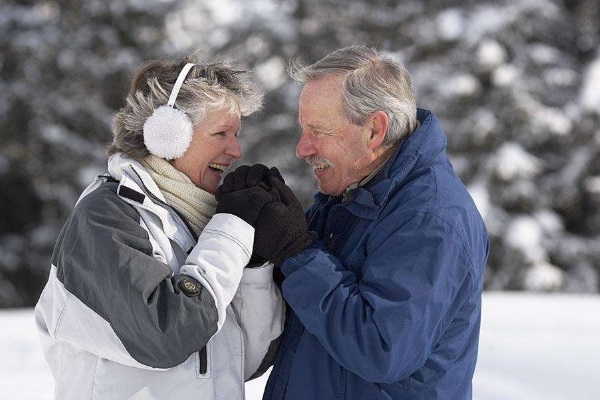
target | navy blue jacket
[{"x": 387, "y": 304}]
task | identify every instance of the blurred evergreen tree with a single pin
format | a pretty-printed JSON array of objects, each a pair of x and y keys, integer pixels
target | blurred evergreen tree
[
  {"x": 64, "y": 69},
  {"x": 510, "y": 80},
  {"x": 506, "y": 79}
]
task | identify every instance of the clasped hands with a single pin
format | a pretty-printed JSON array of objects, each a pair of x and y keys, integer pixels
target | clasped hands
[{"x": 259, "y": 196}]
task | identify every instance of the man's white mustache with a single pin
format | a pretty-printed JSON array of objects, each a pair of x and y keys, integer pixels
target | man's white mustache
[{"x": 316, "y": 161}]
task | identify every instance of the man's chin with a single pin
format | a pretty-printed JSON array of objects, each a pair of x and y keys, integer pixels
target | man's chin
[
  {"x": 320, "y": 188},
  {"x": 325, "y": 191}
]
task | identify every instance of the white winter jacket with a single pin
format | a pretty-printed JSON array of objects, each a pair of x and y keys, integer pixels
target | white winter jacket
[{"x": 136, "y": 308}]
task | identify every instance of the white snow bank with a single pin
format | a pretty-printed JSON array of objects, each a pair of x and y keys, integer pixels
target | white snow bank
[{"x": 534, "y": 347}]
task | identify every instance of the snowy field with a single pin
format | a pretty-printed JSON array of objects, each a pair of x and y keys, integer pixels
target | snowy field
[{"x": 533, "y": 347}]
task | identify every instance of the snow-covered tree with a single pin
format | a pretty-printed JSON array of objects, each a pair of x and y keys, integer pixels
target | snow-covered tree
[
  {"x": 64, "y": 69},
  {"x": 516, "y": 84}
]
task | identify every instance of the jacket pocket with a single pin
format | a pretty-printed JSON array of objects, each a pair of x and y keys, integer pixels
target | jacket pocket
[{"x": 203, "y": 364}]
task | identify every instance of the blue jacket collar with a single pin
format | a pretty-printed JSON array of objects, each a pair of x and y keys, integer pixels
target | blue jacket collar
[{"x": 425, "y": 145}]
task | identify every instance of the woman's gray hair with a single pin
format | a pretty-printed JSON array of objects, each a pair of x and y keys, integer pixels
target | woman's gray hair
[
  {"x": 206, "y": 87},
  {"x": 373, "y": 82}
]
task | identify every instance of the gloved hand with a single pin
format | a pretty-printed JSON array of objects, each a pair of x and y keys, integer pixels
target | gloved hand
[
  {"x": 244, "y": 192},
  {"x": 244, "y": 176},
  {"x": 280, "y": 229}
]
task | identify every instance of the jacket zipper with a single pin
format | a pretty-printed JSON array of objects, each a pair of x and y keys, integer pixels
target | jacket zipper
[{"x": 203, "y": 361}]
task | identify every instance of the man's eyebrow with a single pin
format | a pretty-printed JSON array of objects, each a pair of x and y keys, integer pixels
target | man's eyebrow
[{"x": 312, "y": 126}]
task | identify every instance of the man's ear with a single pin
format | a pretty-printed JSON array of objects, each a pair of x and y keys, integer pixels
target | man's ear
[{"x": 379, "y": 125}]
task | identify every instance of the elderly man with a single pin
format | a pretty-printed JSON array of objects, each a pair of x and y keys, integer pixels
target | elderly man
[{"x": 384, "y": 284}]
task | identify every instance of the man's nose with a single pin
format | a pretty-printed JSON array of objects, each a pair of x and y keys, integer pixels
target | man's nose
[{"x": 306, "y": 146}]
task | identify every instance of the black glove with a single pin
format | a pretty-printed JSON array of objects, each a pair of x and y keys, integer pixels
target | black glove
[
  {"x": 243, "y": 177},
  {"x": 244, "y": 192},
  {"x": 280, "y": 230}
]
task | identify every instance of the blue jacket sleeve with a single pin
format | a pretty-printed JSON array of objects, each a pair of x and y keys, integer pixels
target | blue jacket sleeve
[{"x": 383, "y": 322}]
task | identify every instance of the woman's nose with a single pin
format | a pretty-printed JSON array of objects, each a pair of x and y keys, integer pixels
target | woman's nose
[{"x": 234, "y": 149}]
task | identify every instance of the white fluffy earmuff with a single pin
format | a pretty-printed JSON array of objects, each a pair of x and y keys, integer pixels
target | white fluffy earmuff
[{"x": 168, "y": 131}]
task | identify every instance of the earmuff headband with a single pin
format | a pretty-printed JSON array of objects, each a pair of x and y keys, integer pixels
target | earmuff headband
[
  {"x": 168, "y": 131},
  {"x": 178, "y": 83}
]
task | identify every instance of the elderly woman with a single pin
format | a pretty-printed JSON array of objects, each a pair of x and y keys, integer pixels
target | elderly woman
[{"x": 150, "y": 295}]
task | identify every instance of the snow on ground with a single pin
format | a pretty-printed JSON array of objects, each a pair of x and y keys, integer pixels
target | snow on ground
[{"x": 532, "y": 347}]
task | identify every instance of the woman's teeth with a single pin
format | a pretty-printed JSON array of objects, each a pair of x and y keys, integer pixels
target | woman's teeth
[{"x": 218, "y": 167}]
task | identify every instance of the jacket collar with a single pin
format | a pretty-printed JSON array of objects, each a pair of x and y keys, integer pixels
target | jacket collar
[
  {"x": 121, "y": 166},
  {"x": 137, "y": 187},
  {"x": 426, "y": 144}
]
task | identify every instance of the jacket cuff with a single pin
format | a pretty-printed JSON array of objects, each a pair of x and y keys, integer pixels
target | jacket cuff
[
  {"x": 217, "y": 261},
  {"x": 244, "y": 232},
  {"x": 293, "y": 264}
]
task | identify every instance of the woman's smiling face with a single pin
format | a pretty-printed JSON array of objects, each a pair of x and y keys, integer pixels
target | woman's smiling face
[{"x": 214, "y": 147}]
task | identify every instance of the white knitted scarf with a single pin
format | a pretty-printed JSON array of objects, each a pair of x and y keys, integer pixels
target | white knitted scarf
[{"x": 196, "y": 205}]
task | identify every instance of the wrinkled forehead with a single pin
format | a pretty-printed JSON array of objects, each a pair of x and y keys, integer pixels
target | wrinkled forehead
[
  {"x": 321, "y": 99},
  {"x": 323, "y": 85}
]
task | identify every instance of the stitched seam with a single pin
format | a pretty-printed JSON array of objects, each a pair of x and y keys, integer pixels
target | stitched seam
[
  {"x": 232, "y": 238},
  {"x": 94, "y": 377},
  {"x": 462, "y": 242},
  {"x": 240, "y": 332},
  {"x": 62, "y": 313},
  {"x": 415, "y": 155}
]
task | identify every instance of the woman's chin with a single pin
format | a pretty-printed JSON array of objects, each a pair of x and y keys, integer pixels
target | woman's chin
[{"x": 211, "y": 181}]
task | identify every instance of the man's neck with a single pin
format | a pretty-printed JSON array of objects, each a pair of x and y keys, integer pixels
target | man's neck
[{"x": 374, "y": 168}]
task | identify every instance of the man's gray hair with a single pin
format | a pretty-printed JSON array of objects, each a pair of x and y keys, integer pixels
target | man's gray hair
[
  {"x": 372, "y": 82},
  {"x": 206, "y": 87}
]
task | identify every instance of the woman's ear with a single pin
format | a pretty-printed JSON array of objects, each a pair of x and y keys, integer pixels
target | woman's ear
[{"x": 378, "y": 125}]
